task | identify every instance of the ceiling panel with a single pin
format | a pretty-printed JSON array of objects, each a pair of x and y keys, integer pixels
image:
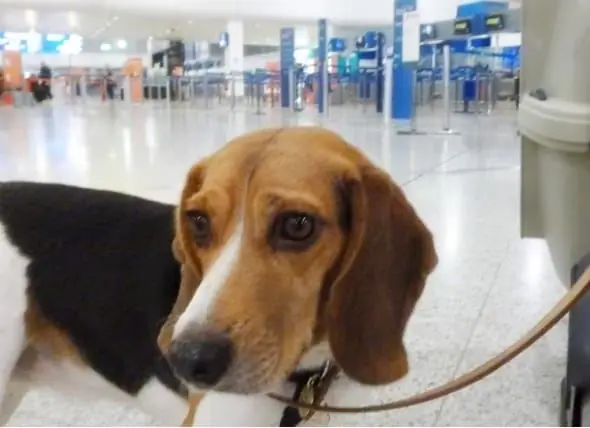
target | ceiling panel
[{"x": 103, "y": 24}]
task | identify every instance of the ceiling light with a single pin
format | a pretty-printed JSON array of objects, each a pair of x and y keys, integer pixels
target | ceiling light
[
  {"x": 31, "y": 17},
  {"x": 73, "y": 19},
  {"x": 105, "y": 47},
  {"x": 121, "y": 44}
]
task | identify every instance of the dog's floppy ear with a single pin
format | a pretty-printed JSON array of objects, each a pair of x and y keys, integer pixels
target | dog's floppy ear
[
  {"x": 190, "y": 274},
  {"x": 388, "y": 256}
]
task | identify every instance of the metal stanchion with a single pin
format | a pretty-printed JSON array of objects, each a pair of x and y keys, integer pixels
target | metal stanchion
[
  {"x": 326, "y": 88},
  {"x": 296, "y": 95},
  {"x": 477, "y": 93},
  {"x": 494, "y": 87},
  {"x": 292, "y": 90},
  {"x": 259, "y": 89},
  {"x": 206, "y": 89},
  {"x": 233, "y": 91},
  {"x": 127, "y": 90},
  {"x": 83, "y": 88},
  {"x": 167, "y": 91},
  {"x": 72, "y": 82},
  {"x": 447, "y": 129},
  {"x": 191, "y": 90},
  {"x": 364, "y": 87}
]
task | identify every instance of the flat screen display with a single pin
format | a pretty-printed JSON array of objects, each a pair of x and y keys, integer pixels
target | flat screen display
[
  {"x": 494, "y": 22},
  {"x": 462, "y": 27}
]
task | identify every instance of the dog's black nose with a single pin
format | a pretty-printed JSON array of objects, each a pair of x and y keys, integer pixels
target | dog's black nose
[{"x": 201, "y": 360}]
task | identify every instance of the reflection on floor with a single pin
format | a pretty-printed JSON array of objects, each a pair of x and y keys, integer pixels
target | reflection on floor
[{"x": 489, "y": 288}]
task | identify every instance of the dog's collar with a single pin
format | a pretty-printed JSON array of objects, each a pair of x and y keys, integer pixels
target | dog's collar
[{"x": 311, "y": 386}]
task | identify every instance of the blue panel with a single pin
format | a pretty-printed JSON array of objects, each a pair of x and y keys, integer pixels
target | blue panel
[
  {"x": 478, "y": 25},
  {"x": 483, "y": 42},
  {"x": 403, "y": 74},
  {"x": 458, "y": 46},
  {"x": 469, "y": 90},
  {"x": 287, "y": 60},
  {"x": 511, "y": 57},
  {"x": 480, "y": 8},
  {"x": 322, "y": 57},
  {"x": 371, "y": 39}
]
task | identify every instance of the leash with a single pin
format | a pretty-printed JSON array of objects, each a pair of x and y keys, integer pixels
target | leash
[
  {"x": 561, "y": 309},
  {"x": 308, "y": 401}
]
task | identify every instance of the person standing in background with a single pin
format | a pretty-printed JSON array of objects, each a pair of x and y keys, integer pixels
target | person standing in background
[
  {"x": 45, "y": 76},
  {"x": 109, "y": 83}
]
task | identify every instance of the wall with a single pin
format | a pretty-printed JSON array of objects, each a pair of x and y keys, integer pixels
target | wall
[{"x": 253, "y": 62}]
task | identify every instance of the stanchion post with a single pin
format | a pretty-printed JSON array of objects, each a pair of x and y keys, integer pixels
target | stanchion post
[
  {"x": 447, "y": 87},
  {"x": 414, "y": 119},
  {"x": 233, "y": 90},
  {"x": 447, "y": 91},
  {"x": 206, "y": 89},
  {"x": 168, "y": 91},
  {"x": 258, "y": 82},
  {"x": 83, "y": 88},
  {"x": 292, "y": 91},
  {"x": 364, "y": 86},
  {"x": 127, "y": 90}
]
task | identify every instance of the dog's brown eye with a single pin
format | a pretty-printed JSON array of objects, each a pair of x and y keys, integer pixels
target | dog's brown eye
[
  {"x": 201, "y": 226},
  {"x": 296, "y": 227},
  {"x": 294, "y": 231}
]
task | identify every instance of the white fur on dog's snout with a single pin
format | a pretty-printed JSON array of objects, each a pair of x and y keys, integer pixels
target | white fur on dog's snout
[
  {"x": 197, "y": 311},
  {"x": 230, "y": 410}
]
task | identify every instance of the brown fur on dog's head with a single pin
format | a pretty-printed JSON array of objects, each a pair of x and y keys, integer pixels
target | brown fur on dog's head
[{"x": 354, "y": 283}]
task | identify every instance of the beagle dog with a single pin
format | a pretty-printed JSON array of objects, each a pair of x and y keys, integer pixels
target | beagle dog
[{"x": 287, "y": 248}]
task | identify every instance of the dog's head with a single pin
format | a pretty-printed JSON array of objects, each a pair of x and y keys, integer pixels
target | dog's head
[{"x": 289, "y": 239}]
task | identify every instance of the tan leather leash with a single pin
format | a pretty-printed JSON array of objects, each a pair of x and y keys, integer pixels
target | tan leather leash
[{"x": 553, "y": 317}]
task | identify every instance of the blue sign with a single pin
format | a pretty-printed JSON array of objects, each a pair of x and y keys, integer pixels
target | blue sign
[
  {"x": 403, "y": 74},
  {"x": 51, "y": 44},
  {"x": 337, "y": 45},
  {"x": 322, "y": 64},
  {"x": 287, "y": 60}
]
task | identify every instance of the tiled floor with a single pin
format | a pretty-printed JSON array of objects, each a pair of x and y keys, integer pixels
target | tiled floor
[{"x": 489, "y": 288}]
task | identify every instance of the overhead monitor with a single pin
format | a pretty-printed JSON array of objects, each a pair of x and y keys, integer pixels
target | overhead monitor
[
  {"x": 462, "y": 27},
  {"x": 494, "y": 22}
]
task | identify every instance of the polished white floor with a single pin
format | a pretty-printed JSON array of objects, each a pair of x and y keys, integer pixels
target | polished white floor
[{"x": 489, "y": 288}]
